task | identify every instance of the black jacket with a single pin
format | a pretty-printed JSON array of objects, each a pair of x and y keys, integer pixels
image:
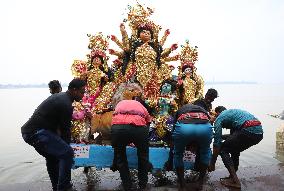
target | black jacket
[{"x": 54, "y": 113}]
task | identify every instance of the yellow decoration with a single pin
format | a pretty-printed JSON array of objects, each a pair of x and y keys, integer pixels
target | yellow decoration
[{"x": 188, "y": 54}]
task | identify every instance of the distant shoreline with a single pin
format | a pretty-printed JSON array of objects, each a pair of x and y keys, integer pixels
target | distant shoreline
[{"x": 17, "y": 86}]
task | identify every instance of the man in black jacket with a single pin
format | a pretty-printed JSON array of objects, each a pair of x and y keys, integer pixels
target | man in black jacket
[
  {"x": 206, "y": 102},
  {"x": 48, "y": 131}
]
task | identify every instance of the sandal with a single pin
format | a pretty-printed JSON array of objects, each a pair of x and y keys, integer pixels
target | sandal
[{"x": 229, "y": 183}]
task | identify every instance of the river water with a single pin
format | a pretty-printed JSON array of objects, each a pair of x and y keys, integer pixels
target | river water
[{"x": 21, "y": 168}]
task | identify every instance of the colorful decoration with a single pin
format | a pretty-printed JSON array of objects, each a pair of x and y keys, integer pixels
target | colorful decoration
[
  {"x": 81, "y": 124},
  {"x": 166, "y": 106},
  {"x": 188, "y": 54},
  {"x": 78, "y": 68},
  {"x": 191, "y": 84},
  {"x": 143, "y": 59}
]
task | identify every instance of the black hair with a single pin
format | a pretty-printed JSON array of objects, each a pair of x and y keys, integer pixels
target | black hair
[
  {"x": 54, "y": 84},
  {"x": 76, "y": 83},
  {"x": 219, "y": 109},
  {"x": 172, "y": 82},
  {"x": 193, "y": 77},
  {"x": 139, "y": 99},
  {"x": 101, "y": 67},
  {"x": 144, "y": 28},
  {"x": 134, "y": 44},
  {"x": 126, "y": 59},
  {"x": 92, "y": 58},
  {"x": 185, "y": 67},
  {"x": 212, "y": 93}
]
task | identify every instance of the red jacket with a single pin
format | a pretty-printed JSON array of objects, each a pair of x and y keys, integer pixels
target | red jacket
[{"x": 130, "y": 112}]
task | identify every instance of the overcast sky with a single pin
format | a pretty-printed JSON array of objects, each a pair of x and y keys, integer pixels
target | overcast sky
[{"x": 238, "y": 40}]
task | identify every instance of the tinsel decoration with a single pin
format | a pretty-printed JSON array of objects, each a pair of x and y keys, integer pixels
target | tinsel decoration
[
  {"x": 98, "y": 44},
  {"x": 78, "y": 68},
  {"x": 188, "y": 55}
]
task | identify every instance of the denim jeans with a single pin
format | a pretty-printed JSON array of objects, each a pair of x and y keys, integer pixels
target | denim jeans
[
  {"x": 58, "y": 155},
  {"x": 121, "y": 136},
  {"x": 201, "y": 134}
]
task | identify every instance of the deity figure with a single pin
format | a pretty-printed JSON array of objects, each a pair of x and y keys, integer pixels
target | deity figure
[
  {"x": 100, "y": 87},
  {"x": 143, "y": 59},
  {"x": 190, "y": 84},
  {"x": 81, "y": 123},
  {"x": 163, "y": 118}
]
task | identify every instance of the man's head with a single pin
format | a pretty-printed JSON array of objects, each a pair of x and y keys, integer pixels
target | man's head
[
  {"x": 216, "y": 113},
  {"x": 76, "y": 88},
  {"x": 219, "y": 109},
  {"x": 211, "y": 95},
  {"x": 54, "y": 86}
]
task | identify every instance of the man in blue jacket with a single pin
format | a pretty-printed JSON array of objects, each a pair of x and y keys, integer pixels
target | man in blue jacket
[
  {"x": 245, "y": 131},
  {"x": 191, "y": 125}
]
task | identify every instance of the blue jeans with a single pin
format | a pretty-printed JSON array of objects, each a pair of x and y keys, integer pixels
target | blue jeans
[
  {"x": 187, "y": 133},
  {"x": 58, "y": 155}
]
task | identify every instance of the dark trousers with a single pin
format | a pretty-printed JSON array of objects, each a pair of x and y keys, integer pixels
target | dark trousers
[
  {"x": 121, "y": 136},
  {"x": 58, "y": 155},
  {"x": 237, "y": 142}
]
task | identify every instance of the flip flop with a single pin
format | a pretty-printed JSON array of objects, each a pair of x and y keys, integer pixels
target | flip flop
[{"x": 229, "y": 183}]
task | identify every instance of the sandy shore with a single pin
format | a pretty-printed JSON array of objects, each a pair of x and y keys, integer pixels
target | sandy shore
[{"x": 265, "y": 178}]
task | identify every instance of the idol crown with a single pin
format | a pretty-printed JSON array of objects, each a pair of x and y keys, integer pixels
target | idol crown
[
  {"x": 188, "y": 54},
  {"x": 138, "y": 17},
  {"x": 98, "y": 44}
]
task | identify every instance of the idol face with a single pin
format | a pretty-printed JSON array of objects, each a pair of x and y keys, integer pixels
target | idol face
[
  {"x": 166, "y": 88},
  {"x": 145, "y": 35},
  {"x": 97, "y": 61}
]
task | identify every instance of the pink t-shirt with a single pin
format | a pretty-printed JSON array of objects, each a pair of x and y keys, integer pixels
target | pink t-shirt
[{"x": 130, "y": 112}]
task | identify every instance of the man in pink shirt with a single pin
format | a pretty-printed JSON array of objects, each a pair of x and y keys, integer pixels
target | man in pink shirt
[{"x": 130, "y": 125}]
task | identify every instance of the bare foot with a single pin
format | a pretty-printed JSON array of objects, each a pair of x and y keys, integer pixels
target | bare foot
[{"x": 230, "y": 183}]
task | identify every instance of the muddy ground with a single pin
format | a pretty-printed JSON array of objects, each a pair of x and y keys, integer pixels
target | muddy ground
[{"x": 265, "y": 178}]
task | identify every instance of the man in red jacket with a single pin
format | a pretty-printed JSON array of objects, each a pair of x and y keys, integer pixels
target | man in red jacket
[{"x": 130, "y": 125}]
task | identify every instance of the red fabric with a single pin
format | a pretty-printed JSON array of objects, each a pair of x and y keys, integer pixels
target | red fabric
[
  {"x": 130, "y": 112},
  {"x": 193, "y": 115},
  {"x": 251, "y": 123}
]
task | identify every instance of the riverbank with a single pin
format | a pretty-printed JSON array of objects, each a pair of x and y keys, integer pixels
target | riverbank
[
  {"x": 23, "y": 169},
  {"x": 258, "y": 178}
]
